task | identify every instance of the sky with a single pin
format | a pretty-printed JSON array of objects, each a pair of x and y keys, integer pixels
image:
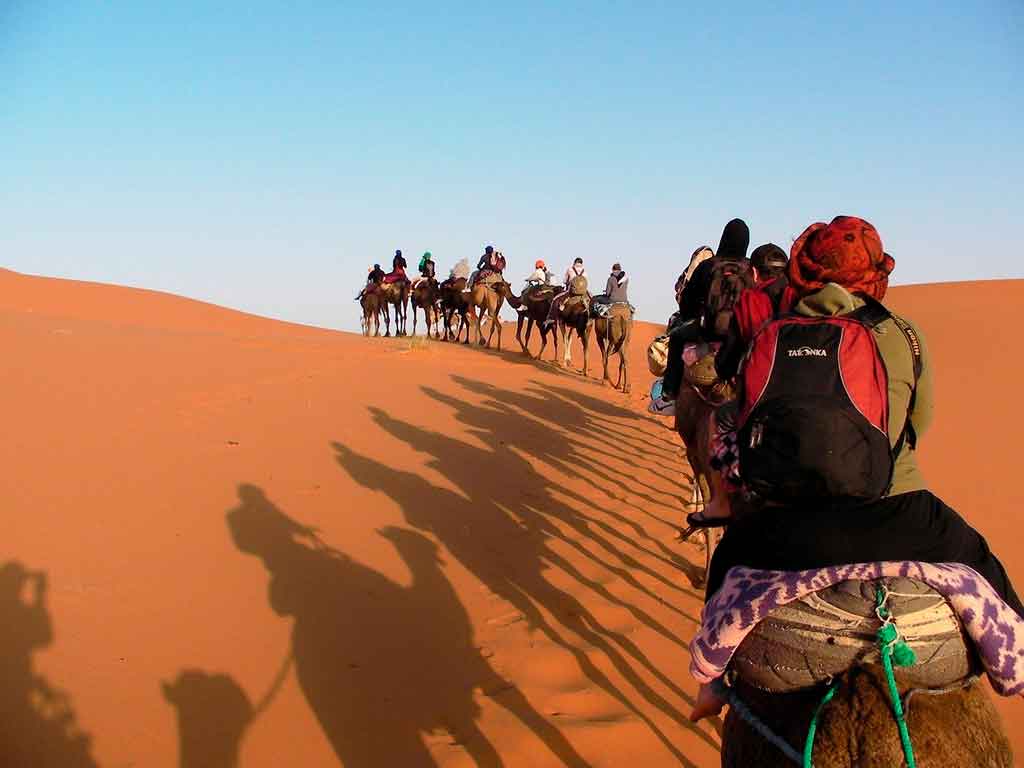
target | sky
[{"x": 261, "y": 155}]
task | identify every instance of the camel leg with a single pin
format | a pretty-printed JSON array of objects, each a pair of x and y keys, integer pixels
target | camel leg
[
  {"x": 519, "y": 333},
  {"x": 490, "y": 332},
  {"x": 606, "y": 353},
  {"x": 387, "y": 321},
  {"x": 624, "y": 360},
  {"x": 414, "y": 313},
  {"x": 585, "y": 340}
]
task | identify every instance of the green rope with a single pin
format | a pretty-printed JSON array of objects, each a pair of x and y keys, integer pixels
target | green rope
[
  {"x": 893, "y": 648},
  {"x": 813, "y": 727}
]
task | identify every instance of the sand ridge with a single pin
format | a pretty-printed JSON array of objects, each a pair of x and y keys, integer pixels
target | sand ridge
[{"x": 313, "y": 547}]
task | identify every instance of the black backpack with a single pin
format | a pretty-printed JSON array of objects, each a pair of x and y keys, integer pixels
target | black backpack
[{"x": 728, "y": 279}]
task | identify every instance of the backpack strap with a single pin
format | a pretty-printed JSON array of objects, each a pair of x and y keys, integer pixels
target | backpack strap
[{"x": 874, "y": 309}]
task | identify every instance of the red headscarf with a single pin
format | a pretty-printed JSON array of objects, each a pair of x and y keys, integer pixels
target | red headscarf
[{"x": 848, "y": 252}]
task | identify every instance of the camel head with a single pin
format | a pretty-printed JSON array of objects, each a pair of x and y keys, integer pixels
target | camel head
[{"x": 213, "y": 713}]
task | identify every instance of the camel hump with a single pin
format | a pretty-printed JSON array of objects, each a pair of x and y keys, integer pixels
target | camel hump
[
  {"x": 621, "y": 309},
  {"x": 959, "y": 727}
]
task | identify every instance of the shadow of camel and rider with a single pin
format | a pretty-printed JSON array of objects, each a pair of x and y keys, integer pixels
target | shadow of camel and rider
[
  {"x": 504, "y": 531},
  {"x": 37, "y": 723},
  {"x": 380, "y": 664}
]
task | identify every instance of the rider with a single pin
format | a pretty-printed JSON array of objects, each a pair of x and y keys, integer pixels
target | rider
[
  {"x": 574, "y": 271},
  {"x": 769, "y": 297},
  {"x": 398, "y": 267},
  {"x": 732, "y": 247},
  {"x": 427, "y": 269},
  {"x": 373, "y": 280},
  {"x": 482, "y": 263},
  {"x": 615, "y": 291},
  {"x": 539, "y": 277},
  {"x": 832, "y": 269}
]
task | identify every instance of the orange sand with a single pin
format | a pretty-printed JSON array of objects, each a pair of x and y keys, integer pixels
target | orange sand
[{"x": 495, "y": 573}]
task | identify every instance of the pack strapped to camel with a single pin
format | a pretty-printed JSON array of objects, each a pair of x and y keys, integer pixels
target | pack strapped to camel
[
  {"x": 616, "y": 309},
  {"x": 787, "y": 632},
  {"x": 488, "y": 277},
  {"x": 699, "y": 372},
  {"x": 657, "y": 356},
  {"x": 539, "y": 291},
  {"x": 578, "y": 286}
]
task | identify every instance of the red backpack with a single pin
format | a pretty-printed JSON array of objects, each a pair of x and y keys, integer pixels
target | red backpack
[{"x": 814, "y": 413}]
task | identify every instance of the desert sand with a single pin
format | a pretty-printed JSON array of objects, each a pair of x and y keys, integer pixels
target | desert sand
[{"x": 308, "y": 548}]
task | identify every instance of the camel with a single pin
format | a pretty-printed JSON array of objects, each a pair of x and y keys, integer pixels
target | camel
[
  {"x": 574, "y": 315},
  {"x": 425, "y": 296},
  {"x": 486, "y": 299},
  {"x": 857, "y": 728},
  {"x": 396, "y": 294},
  {"x": 538, "y": 304},
  {"x": 454, "y": 299},
  {"x": 371, "y": 304},
  {"x": 695, "y": 423},
  {"x": 612, "y": 335}
]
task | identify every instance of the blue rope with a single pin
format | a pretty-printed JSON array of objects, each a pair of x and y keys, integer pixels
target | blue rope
[{"x": 726, "y": 693}]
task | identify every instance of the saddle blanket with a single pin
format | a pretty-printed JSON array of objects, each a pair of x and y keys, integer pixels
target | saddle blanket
[{"x": 749, "y": 595}]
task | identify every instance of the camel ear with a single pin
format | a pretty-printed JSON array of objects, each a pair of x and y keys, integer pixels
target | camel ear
[{"x": 169, "y": 692}]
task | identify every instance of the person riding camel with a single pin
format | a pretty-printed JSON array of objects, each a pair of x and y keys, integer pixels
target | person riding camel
[
  {"x": 482, "y": 264},
  {"x": 575, "y": 283},
  {"x": 538, "y": 278},
  {"x": 398, "y": 267},
  {"x": 770, "y": 297},
  {"x": 427, "y": 269},
  {"x": 833, "y": 504},
  {"x": 374, "y": 278},
  {"x": 694, "y": 299},
  {"x": 615, "y": 290}
]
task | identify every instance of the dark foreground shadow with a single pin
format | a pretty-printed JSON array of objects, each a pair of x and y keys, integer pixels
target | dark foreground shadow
[
  {"x": 37, "y": 723},
  {"x": 381, "y": 664},
  {"x": 213, "y": 715},
  {"x": 501, "y": 530}
]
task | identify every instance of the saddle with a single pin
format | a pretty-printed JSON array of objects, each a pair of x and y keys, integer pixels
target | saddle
[
  {"x": 538, "y": 291},
  {"x": 600, "y": 309},
  {"x": 785, "y": 631}
]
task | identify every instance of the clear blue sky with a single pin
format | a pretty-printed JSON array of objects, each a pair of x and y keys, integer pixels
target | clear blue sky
[{"x": 261, "y": 155}]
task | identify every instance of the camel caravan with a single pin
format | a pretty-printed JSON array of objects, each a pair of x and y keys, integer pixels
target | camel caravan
[
  {"x": 849, "y": 613},
  {"x": 465, "y": 302}
]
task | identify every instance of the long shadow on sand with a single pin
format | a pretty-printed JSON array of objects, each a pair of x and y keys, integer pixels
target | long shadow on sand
[
  {"x": 37, "y": 724},
  {"x": 380, "y": 663},
  {"x": 504, "y": 537}
]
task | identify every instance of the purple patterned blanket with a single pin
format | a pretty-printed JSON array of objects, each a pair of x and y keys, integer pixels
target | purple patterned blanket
[{"x": 749, "y": 595}]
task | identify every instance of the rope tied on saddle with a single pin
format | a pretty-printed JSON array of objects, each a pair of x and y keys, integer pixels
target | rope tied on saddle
[{"x": 894, "y": 651}]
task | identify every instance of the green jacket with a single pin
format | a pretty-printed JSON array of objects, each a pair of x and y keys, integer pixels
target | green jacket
[{"x": 894, "y": 347}]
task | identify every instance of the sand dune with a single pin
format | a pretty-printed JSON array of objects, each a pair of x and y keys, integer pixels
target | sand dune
[{"x": 307, "y": 548}]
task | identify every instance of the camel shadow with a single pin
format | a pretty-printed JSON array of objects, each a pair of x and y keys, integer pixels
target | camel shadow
[
  {"x": 503, "y": 534},
  {"x": 37, "y": 723},
  {"x": 380, "y": 663}
]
